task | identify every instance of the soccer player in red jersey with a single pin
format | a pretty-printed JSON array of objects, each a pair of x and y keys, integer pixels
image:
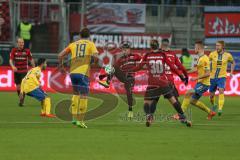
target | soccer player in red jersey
[
  {"x": 158, "y": 83},
  {"x": 174, "y": 60},
  {"x": 19, "y": 58},
  {"x": 121, "y": 64}
]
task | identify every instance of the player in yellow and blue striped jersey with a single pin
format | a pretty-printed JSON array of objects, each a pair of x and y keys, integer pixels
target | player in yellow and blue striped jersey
[
  {"x": 203, "y": 81},
  {"x": 31, "y": 86},
  {"x": 82, "y": 52},
  {"x": 218, "y": 73}
]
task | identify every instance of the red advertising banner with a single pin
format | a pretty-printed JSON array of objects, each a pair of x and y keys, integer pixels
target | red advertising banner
[
  {"x": 50, "y": 79},
  {"x": 222, "y": 24},
  {"x": 116, "y": 17}
]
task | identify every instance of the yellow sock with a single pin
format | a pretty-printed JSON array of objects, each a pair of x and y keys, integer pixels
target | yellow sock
[
  {"x": 47, "y": 105},
  {"x": 74, "y": 105},
  {"x": 220, "y": 101},
  {"x": 83, "y": 105},
  {"x": 202, "y": 106},
  {"x": 213, "y": 100},
  {"x": 185, "y": 103},
  {"x": 43, "y": 110}
]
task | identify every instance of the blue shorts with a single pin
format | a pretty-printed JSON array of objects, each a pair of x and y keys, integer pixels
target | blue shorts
[
  {"x": 217, "y": 83},
  {"x": 80, "y": 84},
  {"x": 199, "y": 89},
  {"x": 37, "y": 93}
]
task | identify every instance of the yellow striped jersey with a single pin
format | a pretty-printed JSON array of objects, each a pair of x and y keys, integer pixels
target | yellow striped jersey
[
  {"x": 203, "y": 65},
  {"x": 32, "y": 80},
  {"x": 219, "y": 63},
  {"x": 81, "y": 54}
]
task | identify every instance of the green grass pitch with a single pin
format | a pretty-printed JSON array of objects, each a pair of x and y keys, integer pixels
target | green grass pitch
[{"x": 24, "y": 135}]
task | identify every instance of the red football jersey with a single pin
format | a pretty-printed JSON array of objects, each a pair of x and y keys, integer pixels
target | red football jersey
[
  {"x": 126, "y": 62},
  {"x": 20, "y": 59},
  {"x": 174, "y": 60},
  {"x": 155, "y": 63}
]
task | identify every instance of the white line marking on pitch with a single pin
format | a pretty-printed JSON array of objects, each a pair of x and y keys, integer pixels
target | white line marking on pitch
[{"x": 194, "y": 124}]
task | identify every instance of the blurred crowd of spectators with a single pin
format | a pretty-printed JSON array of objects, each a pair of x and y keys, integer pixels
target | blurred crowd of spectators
[{"x": 174, "y": 2}]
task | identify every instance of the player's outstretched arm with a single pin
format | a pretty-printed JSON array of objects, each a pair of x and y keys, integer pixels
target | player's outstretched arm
[
  {"x": 172, "y": 67},
  {"x": 61, "y": 56},
  {"x": 95, "y": 59},
  {"x": 207, "y": 74},
  {"x": 32, "y": 62},
  {"x": 176, "y": 71},
  {"x": 180, "y": 66},
  {"x": 94, "y": 54},
  {"x": 192, "y": 70},
  {"x": 31, "y": 58}
]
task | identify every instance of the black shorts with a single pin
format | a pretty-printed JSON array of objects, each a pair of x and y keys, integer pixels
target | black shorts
[
  {"x": 174, "y": 91},
  {"x": 18, "y": 77},
  {"x": 153, "y": 93}
]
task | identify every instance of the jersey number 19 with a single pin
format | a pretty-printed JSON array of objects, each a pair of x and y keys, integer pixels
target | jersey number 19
[{"x": 80, "y": 50}]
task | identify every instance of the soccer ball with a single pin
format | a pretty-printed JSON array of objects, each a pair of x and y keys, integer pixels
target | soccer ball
[{"x": 109, "y": 69}]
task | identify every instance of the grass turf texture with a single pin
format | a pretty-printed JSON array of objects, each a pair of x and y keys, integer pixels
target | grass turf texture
[{"x": 25, "y": 135}]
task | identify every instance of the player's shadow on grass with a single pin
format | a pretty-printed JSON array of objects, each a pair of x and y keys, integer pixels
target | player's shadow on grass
[{"x": 109, "y": 103}]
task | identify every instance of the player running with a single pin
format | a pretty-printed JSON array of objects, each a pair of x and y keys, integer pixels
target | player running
[
  {"x": 158, "y": 84},
  {"x": 31, "y": 86},
  {"x": 219, "y": 61},
  {"x": 203, "y": 81},
  {"x": 82, "y": 52},
  {"x": 121, "y": 64},
  {"x": 19, "y": 58}
]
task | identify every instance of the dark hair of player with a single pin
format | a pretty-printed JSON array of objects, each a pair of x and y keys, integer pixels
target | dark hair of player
[
  {"x": 222, "y": 43},
  {"x": 165, "y": 40},
  {"x": 85, "y": 33},
  {"x": 154, "y": 44},
  {"x": 199, "y": 42},
  {"x": 41, "y": 61}
]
